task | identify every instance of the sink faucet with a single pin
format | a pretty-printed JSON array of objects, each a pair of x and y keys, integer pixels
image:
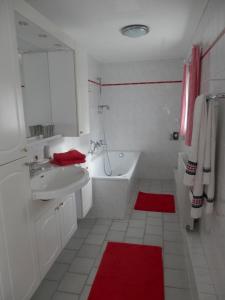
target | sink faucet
[{"x": 34, "y": 166}]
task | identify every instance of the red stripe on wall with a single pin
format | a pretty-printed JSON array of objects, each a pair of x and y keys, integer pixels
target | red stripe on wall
[
  {"x": 94, "y": 82},
  {"x": 213, "y": 44},
  {"x": 142, "y": 83}
]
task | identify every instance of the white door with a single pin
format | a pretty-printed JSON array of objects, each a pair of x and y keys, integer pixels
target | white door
[
  {"x": 17, "y": 232},
  {"x": 48, "y": 239},
  {"x": 12, "y": 129},
  {"x": 68, "y": 218}
]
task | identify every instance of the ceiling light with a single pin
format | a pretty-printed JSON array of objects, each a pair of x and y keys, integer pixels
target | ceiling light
[
  {"x": 22, "y": 23},
  {"x": 135, "y": 30},
  {"x": 42, "y": 35}
]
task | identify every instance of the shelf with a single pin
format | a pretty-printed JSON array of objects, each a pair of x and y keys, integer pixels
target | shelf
[{"x": 36, "y": 140}]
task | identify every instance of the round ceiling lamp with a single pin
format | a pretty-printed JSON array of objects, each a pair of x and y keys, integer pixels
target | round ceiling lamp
[{"x": 135, "y": 30}]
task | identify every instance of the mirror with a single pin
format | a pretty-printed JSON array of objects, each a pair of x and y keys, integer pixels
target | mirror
[{"x": 35, "y": 47}]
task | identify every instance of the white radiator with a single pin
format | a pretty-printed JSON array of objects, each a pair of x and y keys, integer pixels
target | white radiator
[{"x": 183, "y": 194}]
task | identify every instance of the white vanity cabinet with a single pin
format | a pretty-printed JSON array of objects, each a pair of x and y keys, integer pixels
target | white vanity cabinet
[
  {"x": 84, "y": 200},
  {"x": 12, "y": 129},
  {"x": 18, "y": 260},
  {"x": 54, "y": 228},
  {"x": 48, "y": 238},
  {"x": 68, "y": 218}
]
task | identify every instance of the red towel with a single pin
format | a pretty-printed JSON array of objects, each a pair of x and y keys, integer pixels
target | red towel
[{"x": 68, "y": 158}]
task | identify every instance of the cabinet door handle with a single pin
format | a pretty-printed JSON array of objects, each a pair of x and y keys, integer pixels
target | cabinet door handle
[{"x": 61, "y": 204}]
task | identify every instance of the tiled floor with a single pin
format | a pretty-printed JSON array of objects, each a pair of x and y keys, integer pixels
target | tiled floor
[{"x": 72, "y": 275}]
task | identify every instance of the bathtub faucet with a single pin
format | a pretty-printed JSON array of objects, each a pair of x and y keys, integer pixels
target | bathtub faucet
[{"x": 94, "y": 145}]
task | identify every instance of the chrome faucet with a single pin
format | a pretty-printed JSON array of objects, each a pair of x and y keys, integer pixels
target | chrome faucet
[
  {"x": 34, "y": 166},
  {"x": 94, "y": 145}
]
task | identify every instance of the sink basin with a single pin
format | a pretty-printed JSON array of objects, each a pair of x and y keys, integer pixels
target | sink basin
[{"x": 58, "y": 182}]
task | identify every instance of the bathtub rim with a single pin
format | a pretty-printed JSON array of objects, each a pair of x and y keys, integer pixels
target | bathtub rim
[{"x": 126, "y": 176}]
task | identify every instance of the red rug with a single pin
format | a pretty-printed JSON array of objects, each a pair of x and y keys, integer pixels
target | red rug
[
  {"x": 155, "y": 202},
  {"x": 129, "y": 272}
]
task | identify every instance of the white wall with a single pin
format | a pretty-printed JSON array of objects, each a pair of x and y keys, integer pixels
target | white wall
[
  {"x": 94, "y": 100},
  {"x": 141, "y": 117},
  {"x": 210, "y": 244}
]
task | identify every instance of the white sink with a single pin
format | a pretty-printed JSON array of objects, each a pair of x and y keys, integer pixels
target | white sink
[{"x": 58, "y": 182}]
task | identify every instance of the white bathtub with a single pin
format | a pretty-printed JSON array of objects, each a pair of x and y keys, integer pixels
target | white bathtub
[{"x": 111, "y": 194}]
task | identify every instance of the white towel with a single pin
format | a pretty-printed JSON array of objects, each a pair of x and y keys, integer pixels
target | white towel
[{"x": 200, "y": 169}]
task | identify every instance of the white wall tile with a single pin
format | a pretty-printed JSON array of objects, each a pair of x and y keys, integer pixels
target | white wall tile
[{"x": 142, "y": 117}]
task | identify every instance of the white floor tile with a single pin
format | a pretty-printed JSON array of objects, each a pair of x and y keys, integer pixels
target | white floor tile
[
  {"x": 173, "y": 248},
  {"x": 64, "y": 296},
  {"x": 45, "y": 290},
  {"x": 115, "y": 236},
  {"x": 172, "y": 226},
  {"x": 153, "y": 214},
  {"x": 81, "y": 233},
  {"x": 57, "y": 271},
  {"x": 170, "y": 217},
  {"x": 66, "y": 256},
  {"x": 72, "y": 283},
  {"x": 95, "y": 239},
  {"x": 155, "y": 230},
  {"x": 103, "y": 221},
  {"x": 175, "y": 278},
  {"x": 154, "y": 221},
  {"x": 177, "y": 294},
  {"x": 203, "y": 296},
  {"x": 74, "y": 244},
  {"x": 138, "y": 215},
  {"x": 154, "y": 240},
  {"x": 172, "y": 236},
  {"x": 100, "y": 228},
  {"x": 120, "y": 226},
  {"x": 137, "y": 223},
  {"x": 135, "y": 232},
  {"x": 85, "y": 293},
  {"x": 82, "y": 265},
  {"x": 90, "y": 251},
  {"x": 91, "y": 276},
  {"x": 132, "y": 240},
  {"x": 172, "y": 261}
]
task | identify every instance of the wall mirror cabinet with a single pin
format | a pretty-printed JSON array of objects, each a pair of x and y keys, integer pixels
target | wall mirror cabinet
[{"x": 54, "y": 82}]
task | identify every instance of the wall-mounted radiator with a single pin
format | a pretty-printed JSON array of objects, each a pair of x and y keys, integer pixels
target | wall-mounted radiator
[{"x": 183, "y": 194}]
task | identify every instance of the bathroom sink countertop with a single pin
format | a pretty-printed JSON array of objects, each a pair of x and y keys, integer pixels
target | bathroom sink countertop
[{"x": 54, "y": 181}]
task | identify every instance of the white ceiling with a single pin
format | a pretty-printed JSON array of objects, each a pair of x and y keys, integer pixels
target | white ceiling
[
  {"x": 28, "y": 39},
  {"x": 96, "y": 23}
]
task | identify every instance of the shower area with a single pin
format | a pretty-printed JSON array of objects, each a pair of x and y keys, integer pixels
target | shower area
[{"x": 113, "y": 172}]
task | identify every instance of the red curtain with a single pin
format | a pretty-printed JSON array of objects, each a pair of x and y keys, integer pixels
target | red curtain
[
  {"x": 183, "y": 114},
  {"x": 194, "y": 90}
]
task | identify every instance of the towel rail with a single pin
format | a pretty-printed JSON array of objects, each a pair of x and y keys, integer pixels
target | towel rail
[{"x": 215, "y": 97}]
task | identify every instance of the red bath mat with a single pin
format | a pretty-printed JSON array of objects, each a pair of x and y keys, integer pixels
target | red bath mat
[
  {"x": 129, "y": 272},
  {"x": 155, "y": 202}
]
